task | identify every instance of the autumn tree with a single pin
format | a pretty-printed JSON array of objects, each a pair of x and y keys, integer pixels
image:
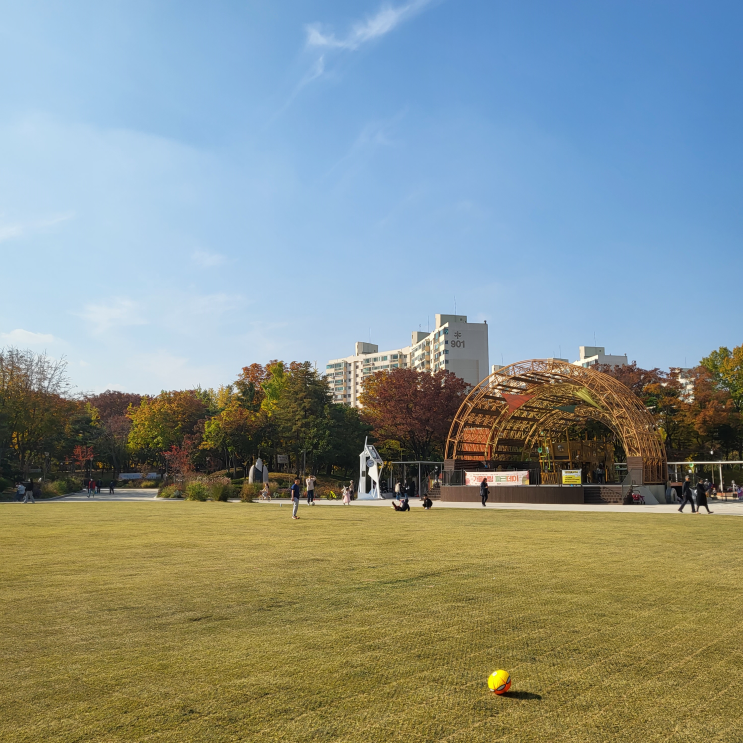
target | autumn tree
[
  {"x": 35, "y": 405},
  {"x": 160, "y": 422},
  {"x": 726, "y": 373},
  {"x": 661, "y": 393},
  {"x": 113, "y": 404},
  {"x": 236, "y": 431},
  {"x": 413, "y": 408},
  {"x": 713, "y": 422}
]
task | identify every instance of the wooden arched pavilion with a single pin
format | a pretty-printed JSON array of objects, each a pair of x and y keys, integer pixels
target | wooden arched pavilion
[{"x": 506, "y": 416}]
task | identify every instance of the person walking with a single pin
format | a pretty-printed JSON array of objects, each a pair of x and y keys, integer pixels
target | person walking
[
  {"x": 111, "y": 487},
  {"x": 20, "y": 492},
  {"x": 29, "y": 494},
  {"x": 346, "y": 497},
  {"x": 484, "y": 492},
  {"x": 686, "y": 496},
  {"x": 310, "y": 483},
  {"x": 98, "y": 484},
  {"x": 295, "y": 491},
  {"x": 351, "y": 490},
  {"x": 702, "y": 497}
]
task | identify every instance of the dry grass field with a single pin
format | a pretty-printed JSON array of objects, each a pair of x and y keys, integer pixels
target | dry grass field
[{"x": 231, "y": 622}]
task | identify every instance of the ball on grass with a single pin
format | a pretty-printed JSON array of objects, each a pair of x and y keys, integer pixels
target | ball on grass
[{"x": 499, "y": 682}]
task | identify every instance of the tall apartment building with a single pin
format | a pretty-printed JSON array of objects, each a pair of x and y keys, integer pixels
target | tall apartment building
[{"x": 456, "y": 345}]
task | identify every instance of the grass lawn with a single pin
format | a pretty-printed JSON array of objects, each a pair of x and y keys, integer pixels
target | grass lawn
[{"x": 229, "y": 622}]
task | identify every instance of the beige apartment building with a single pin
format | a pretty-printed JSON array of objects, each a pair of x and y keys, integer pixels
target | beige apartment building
[{"x": 456, "y": 345}]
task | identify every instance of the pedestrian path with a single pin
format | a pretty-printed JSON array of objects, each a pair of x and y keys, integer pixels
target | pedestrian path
[
  {"x": 719, "y": 508},
  {"x": 729, "y": 508}
]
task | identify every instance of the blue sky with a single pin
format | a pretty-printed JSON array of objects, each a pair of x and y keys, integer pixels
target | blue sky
[{"x": 187, "y": 188}]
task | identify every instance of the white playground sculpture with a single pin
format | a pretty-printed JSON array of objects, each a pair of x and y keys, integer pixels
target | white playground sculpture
[{"x": 370, "y": 463}]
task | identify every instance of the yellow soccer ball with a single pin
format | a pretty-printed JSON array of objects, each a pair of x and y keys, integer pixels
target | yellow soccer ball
[{"x": 499, "y": 682}]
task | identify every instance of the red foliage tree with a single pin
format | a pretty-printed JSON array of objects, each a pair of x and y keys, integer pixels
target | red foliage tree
[
  {"x": 113, "y": 404},
  {"x": 413, "y": 408}
]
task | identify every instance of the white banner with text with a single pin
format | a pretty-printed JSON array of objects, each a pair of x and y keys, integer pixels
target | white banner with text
[{"x": 495, "y": 479}]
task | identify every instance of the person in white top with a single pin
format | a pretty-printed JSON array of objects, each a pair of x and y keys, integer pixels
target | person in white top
[
  {"x": 346, "y": 496},
  {"x": 310, "y": 483}
]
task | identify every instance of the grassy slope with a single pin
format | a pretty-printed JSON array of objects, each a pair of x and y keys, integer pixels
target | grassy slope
[{"x": 222, "y": 622}]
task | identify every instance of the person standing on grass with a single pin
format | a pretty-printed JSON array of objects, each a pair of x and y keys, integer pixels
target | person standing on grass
[
  {"x": 310, "y": 483},
  {"x": 702, "y": 497},
  {"x": 484, "y": 492},
  {"x": 686, "y": 496},
  {"x": 20, "y": 492},
  {"x": 295, "y": 491},
  {"x": 111, "y": 487}
]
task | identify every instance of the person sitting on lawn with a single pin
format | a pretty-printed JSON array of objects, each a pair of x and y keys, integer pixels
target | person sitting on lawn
[
  {"x": 427, "y": 503},
  {"x": 403, "y": 505}
]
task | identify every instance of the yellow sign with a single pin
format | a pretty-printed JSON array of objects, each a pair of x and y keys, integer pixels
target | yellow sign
[{"x": 571, "y": 477}]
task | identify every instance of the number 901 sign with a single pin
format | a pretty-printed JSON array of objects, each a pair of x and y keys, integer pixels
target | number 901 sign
[{"x": 456, "y": 344}]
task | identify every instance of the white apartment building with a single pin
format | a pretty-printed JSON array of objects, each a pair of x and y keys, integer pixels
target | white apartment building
[
  {"x": 685, "y": 376},
  {"x": 593, "y": 355},
  {"x": 456, "y": 345}
]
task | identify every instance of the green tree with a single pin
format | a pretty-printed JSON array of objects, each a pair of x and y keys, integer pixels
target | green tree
[
  {"x": 726, "y": 372},
  {"x": 300, "y": 412}
]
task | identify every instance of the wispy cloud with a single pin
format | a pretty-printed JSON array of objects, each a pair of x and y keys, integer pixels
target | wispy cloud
[
  {"x": 205, "y": 259},
  {"x": 11, "y": 231},
  {"x": 20, "y": 337},
  {"x": 386, "y": 19},
  {"x": 116, "y": 313}
]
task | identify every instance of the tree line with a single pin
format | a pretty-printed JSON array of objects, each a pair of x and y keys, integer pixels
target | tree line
[
  {"x": 268, "y": 410},
  {"x": 287, "y": 409}
]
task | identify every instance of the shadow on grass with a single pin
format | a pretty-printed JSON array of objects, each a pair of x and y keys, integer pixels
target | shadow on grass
[{"x": 521, "y": 695}]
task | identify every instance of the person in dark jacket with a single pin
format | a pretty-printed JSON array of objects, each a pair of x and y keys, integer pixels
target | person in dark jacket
[
  {"x": 686, "y": 496},
  {"x": 484, "y": 492},
  {"x": 702, "y": 497}
]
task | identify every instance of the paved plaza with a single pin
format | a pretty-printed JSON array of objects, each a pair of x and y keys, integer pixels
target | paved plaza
[{"x": 719, "y": 508}]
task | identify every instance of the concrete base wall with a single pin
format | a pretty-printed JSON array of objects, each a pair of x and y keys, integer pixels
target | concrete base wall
[{"x": 514, "y": 494}]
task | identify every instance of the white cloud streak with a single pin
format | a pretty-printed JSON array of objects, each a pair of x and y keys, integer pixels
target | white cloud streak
[
  {"x": 113, "y": 314},
  {"x": 20, "y": 337},
  {"x": 374, "y": 27},
  {"x": 12, "y": 231}
]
